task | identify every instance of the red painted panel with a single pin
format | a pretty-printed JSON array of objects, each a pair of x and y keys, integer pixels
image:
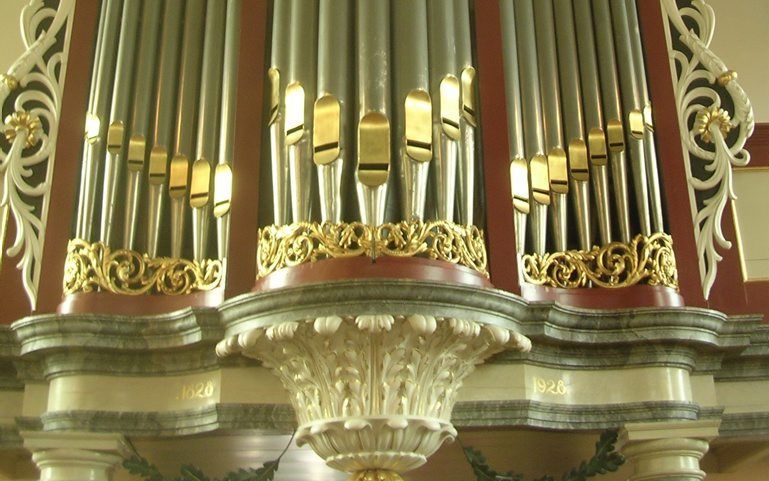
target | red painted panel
[{"x": 500, "y": 232}]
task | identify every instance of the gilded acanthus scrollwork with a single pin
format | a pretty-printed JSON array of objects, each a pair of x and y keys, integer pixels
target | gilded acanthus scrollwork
[
  {"x": 95, "y": 267},
  {"x": 30, "y": 101},
  {"x": 298, "y": 243},
  {"x": 714, "y": 139},
  {"x": 646, "y": 260}
]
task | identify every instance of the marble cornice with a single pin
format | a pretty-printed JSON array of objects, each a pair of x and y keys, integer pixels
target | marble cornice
[{"x": 183, "y": 341}]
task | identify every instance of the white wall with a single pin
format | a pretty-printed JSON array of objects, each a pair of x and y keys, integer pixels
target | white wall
[
  {"x": 742, "y": 41},
  {"x": 11, "y": 45}
]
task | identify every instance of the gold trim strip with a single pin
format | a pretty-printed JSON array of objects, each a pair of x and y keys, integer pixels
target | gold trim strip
[
  {"x": 301, "y": 242},
  {"x": 645, "y": 260},
  {"x": 94, "y": 267}
]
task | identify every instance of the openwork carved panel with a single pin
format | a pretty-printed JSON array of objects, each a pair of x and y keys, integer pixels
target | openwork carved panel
[
  {"x": 715, "y": 118},
  {"x": 95, "y": 267},
  {"x": 30, "y": 99},
  {"x": 298, "y": 243},
  {"x": 646, "y": 260}
]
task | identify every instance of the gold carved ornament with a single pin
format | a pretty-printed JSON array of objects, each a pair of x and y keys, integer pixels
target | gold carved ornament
[
  {"x": 95, "y": 267},
  {"x": 645, "y": 260},
  {"x": 294, "y": 244}
]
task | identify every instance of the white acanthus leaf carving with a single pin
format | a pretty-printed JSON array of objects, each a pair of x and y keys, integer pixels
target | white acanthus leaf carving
[
  {"x": 26, "y": 167},
  {"x": 699, "y": 104},
  {"x": 375, "y": 391}
]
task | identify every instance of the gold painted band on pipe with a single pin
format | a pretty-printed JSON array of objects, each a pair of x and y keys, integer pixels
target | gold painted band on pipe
[
  {"x": 373, "y": 166},
  {"x": 222, "y": 190},
  {"x": 519, "y": 182},
  {"x": 418, "y": 119},
  {"x": 326, "y": 155},
  {"x": 177, "y": 191}
]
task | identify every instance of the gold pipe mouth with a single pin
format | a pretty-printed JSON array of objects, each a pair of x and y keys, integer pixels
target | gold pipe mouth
[
  {"x": 303, "y": 242},
  {"x": 375, "y": 475}
]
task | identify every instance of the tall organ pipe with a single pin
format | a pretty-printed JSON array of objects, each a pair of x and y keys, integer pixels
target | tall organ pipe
[
  {"x": 412, "y": 105},
  {"x": 652, "y": 171},
  {"x": 332, "y": 109},
  {"x": 186, "y": 112},
  {"x": 300, "y": 97},
  {"x": 552, "y": 119},
  {"x": 607, "y": 68},
  {"x": 519, "y": 181},
  {"x": 373, "y": 21},
  {"x": 591, "y": 97},
  {"x": 571, "y": 92},
  {"x": 98, "y": 112},
  {"x": 121, "y": 97},
  {"x": 468, "y": 119},
  {"x": 278, "y": 73},
  {"x": 633, "y": 105},
  {"x": 165, "y": 100},
  {"x": 208, "y": 115},
  {"x": 140, "y": 123},
  {"x": 445, "y": 94},
  {"x": 223, "y": 174},
  {"x": 534, "y": 136}
]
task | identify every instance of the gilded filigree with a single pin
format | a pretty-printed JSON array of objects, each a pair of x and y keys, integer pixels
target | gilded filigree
[
  {"x": 645, "y": 260},
  {"x": 298, "y": 243},
  {"x": 21, "y": 122},
  {"x": 95, "y": 267}
]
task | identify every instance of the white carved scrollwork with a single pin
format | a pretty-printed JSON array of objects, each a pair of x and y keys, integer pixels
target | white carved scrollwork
[
  {"x": 712, "y": 137},
  {"x": 374, "y": 391},
  {"x": 30, "y": 99}
]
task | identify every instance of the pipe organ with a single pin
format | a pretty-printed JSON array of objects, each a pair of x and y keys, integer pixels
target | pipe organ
[
  {"x": 380, "y": 161},
  {"x": 411, "y": 176},
  {"x": 582, "y": 155},
  {"x": 156, "y": 174},
  {"x": 372, "y": 139}
]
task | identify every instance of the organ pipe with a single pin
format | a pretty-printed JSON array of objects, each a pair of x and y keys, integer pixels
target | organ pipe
[
  {"x": 592, "y": 108},
  {"x": 571, "y": 92},
  {"x": 121, "y": 96},
  {"x": 412, "y": 105},
  {"x": 165, "y": 100},
  {"x": 534, "y": 136},
  {"x": 140, "y": 123},
  {"x": 186, "y": 113},
  {"x": 373, "y": 35},
  {"x": 98, "y": 113},
  {"x": 519, "y": 175}
]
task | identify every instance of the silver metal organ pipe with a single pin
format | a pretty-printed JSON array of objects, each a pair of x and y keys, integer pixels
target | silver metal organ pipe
[
  {"x": 208, "y": 116},
  {"x": 165, "y": 100},
  {"x": 140, "y": 123},
  {"x": 534, "y": 136},
  {"x": 300, "y": 98},
  {"x": 519, "y": 176},
  {"x": 652, "y": 171},
  {"x": 615, "y": 137},
  {"x": 552, "y": 120},
  {"x": 332, "y": 109},
  {"x": 98, "y": 111},
  {"x": 468, "y": 119},
  {"x": 633, "y": 106},
  {"x": 571, "y": 92},
  {"x": 223, "y": 172},
  {"x": 121, "y": 97},
  {"x": 278, "y": 73},
  {"x": 412, "y": 106},
  {"x": 373, "y": 30},
  {"x": 445, "y": 94},
  {"x": 592, "y": 108},
  {"x": 186, "y": 111}
]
